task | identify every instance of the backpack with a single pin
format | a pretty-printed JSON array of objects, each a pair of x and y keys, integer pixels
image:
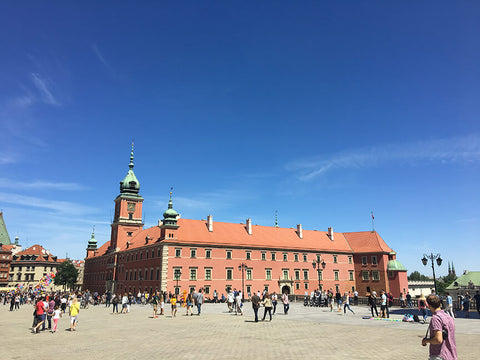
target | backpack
[{"x": 416, "y": 318}]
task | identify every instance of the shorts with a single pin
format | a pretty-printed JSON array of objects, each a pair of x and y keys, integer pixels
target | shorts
[
  {"x": 155, "y": 307},
  {"x": 41, "y": 318},
  {"x": 174, "y": 307},
  {"x": 162, "y": 305},
  {"x": 73, "y": 319},
  {"x": 189, "y": 303}
]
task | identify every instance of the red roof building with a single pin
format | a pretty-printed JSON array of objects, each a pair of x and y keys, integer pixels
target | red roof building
[{"x": 184, "y": 254}]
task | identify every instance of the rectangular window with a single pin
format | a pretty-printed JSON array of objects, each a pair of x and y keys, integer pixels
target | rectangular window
[
  {"x": 374, "y": 260},
  {"x": 208, "y": 254},
  {"x": 249, "y": 274},
  {"x": 305, "y": 257},
  {"x": 285, "y": 257},
  {"x": 268, "y": 274},
  {"x": 337, "y": 288},
  {"x": 229, "y": 254},
  {"x": 365, "y": 276},
  {"x": 285, "y": 274},
  {"x": 249, "y": 290},
  {"x": 274, "y": 255},
  {"x": 335, "y": 259},
  {"x": 305, "y": 274},
  {"x": 229, "y": 274},
  {"x": 297, "y": 274},
  {"x": 151, "y": 274},
  {"x": 178, "y": 252},
  {"x": 158, "y": 274},
  {"x": 350, "y": 259},
  {"x": 248, "y": 255},
  {"x": 391, "y": 274},
  {"x": 193, "y": 274},
  {"x": 208, "y": 274},
  {"x": 264, "y": 256},
  {"x": 335, "y": 275},
  {"x": 295, "y": 257},
  {"x": 207, "y": 290},
  {"x": 297, "y": 286},
  {"x": 364, "y": 260},
  {"x": 306, "y": 286},
  {"x": 375, "y": 275},
  {"x": 350, "y": 274},
  {"x": 193, "y": 253}
]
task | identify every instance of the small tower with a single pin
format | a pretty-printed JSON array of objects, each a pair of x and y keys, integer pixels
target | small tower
[
  {"x": 453, "y": 269},
  {"x": 449, "y": 269},
  {"x": 276, "y": 218},
  {"x": 169, "y": 223},
  {"x": 4, "y": 237},
  {"x": 92, "y": 244}
]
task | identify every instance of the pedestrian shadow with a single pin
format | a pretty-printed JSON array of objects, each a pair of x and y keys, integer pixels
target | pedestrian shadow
[{"x": 251, "y": 321}]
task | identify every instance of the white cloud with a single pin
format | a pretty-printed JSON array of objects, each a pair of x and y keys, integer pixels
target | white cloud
[
  {"x": 61, "y": 207},
  {"x": 42, "y": 86},
  {"x": 452, "y": 150},
  {"x": 9, "y": 183}
]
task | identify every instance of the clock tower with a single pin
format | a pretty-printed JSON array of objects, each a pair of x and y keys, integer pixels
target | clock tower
[{"x": 128, "y": 210}]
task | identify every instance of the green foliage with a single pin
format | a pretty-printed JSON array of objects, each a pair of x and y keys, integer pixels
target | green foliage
[
  {"x": 416, "y": 276},
  {"x": 67, "y": 274},
  {"x": 444, "y": 283}
]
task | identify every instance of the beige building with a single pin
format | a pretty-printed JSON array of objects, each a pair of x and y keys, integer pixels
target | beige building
[{"x": 30, "y": 266}]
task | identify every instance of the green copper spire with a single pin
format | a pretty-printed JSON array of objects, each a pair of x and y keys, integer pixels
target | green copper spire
[
  {"x": 92, "y": 243},
  {"x": 170, "y": 215},
  {"x": 276, "y": 218},
  {"x": 130, "y": 184},
  {"x": 4, "y": 237}
]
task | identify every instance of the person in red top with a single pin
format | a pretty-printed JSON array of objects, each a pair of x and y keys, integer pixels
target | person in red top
[{"x": 40, "y": 313}]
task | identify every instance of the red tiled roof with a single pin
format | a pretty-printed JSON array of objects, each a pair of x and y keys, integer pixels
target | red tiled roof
[
  {"x": 36, "y": 250},
  {"x": 366, "y": 242},
  {"x": 232, "y": 235}
]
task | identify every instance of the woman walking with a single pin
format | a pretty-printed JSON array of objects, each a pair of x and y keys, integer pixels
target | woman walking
[
  {"x": 372, "y": 301},
  {"x": 189, "y": 304},
  {"x": 267, "y": 302},
  {"x": 346, "y": 304},
  {"x": 422, "y": 306},
  {"x": 74, "y": 310},
  {"x": 238, "y": 304},
  {"x": 274, "y": 298}
]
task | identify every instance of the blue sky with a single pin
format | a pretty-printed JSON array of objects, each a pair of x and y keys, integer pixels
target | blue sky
[{"x": 324, "y": 111}]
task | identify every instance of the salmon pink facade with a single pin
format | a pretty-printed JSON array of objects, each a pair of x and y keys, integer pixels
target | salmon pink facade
[{"x": 185, "y": 254}]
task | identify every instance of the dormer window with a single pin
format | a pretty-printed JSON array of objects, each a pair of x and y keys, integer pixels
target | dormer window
[{"x": 129, "y": 233}]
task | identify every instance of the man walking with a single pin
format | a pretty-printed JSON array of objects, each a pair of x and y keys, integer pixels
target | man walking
[
  {"x": 442, "y": 332},
  {"x": 199, "y": 300},
  {"x": 286, "y": 305},
  {"x": 255, "y": 305}
]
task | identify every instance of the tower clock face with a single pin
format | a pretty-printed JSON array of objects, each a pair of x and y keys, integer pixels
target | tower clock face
[{"x": 131, "y": 207}]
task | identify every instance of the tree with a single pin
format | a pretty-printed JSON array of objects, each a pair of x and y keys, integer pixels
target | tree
[
  {"x": 67, "y": 274},
  {"x": 444, "y": 282},
  {"x": 416, "y": 276}
]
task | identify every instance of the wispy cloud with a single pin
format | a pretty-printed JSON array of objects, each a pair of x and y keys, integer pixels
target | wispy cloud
[
  {"x": 42, "y": 86},
  {"x": 14, "y": 184},
  {"x": 102, "y": 59},
  {"x": 452, "y": 150},
  {"x": 60, "y": 207}
]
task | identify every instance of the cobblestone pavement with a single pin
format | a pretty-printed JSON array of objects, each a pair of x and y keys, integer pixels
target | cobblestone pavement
[{"x": 217, "y": 334}]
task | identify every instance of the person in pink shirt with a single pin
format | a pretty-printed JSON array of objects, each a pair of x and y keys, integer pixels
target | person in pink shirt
[{"x": 442, "y": 332}]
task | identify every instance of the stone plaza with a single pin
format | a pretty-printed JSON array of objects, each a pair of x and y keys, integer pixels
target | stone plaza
[{"x": 217, "y": 334}]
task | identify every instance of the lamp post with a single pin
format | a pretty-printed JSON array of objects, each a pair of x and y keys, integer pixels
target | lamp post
[
  {"x": 243, "y": 267},
  {"x": 439, "y": 262},
  {"x": 316, "y": 265},
  {"x": 177, "y": 275}
]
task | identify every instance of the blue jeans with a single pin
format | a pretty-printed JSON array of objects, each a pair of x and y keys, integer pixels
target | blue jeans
[
  {"x": 285, "y": 308},
  {"x": 199, "y": 307}
]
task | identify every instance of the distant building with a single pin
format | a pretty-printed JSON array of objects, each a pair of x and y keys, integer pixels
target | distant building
[
  {"x": 7, "y": 249},
  {"x": 419, "y": 287},
  {"x": 29, "y": 266},
  {"x": 185, "y": 254},
  {"x": 469, "y": 281}
]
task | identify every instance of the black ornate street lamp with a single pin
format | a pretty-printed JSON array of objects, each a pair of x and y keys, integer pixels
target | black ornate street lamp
[
  {"x": 316, "y": 265},
  {"x": 177, "y": 275},
  {"x": 439, "y": 262},
  {"x": 243, "y": 267}
]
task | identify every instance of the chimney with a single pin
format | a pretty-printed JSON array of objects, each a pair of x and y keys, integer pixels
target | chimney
[
  {"x": 330, "y": 233},
  {"x": 210, "y": 223},
  {"x": 300, "y": 231},
  {"x": 249, "y": 226}
]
